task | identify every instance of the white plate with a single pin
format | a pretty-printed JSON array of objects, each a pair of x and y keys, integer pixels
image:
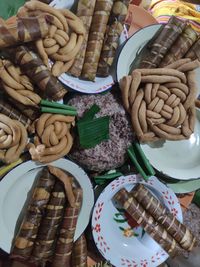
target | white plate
[
  {"x": 89, "y": 87},
  {"x": 16, "y": 185},
  {"x": 177, "y": 159},
  {"x": 132, "y": 47},
  {"x": 131, "y": 251}
]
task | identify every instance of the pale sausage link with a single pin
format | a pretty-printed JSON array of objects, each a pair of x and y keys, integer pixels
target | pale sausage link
[
  {"x": 136, "y": 80},
  {"x": 148, "y": 92},
  {"x": 16, "y": 85},
  {"x": 134, "y": 113},
  {"x": 125, "y": 84},
  {"x": 14, "y": 153}
]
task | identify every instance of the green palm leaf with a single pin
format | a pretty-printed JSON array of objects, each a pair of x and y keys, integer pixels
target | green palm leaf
[{"x": 9, "y": 8}]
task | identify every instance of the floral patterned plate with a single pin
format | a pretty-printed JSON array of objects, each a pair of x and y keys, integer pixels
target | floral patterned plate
[{"x": 121, "y": 242}]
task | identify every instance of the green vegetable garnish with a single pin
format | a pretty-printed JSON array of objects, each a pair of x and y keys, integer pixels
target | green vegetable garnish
[
  {"x": 92, "y": 132},
  {"x": 89, "y": 115},
  {"x": 53, "y": 104},
  {"x": 9, "y": 8},
  {"x": 58, "y": 111}
]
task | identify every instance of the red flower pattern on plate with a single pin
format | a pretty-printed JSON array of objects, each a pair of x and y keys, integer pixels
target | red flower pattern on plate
[
  {"x": 128, "y": 263},
  {"x": 104, "y": 247},
  {"x": 168, "y": 197},
  {"x": 157, "y": 256},
  {"x": 116, "y": 184},
  {"x": 174, "y": 211},
  {"x": 98, "y": 211},
  {"x": 97, "y": 228},
  {"x": 103, "y": 244},
  {"x": 144, "y": 263}
]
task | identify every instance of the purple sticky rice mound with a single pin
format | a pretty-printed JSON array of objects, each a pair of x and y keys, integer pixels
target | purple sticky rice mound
[{"x": 108, "y": 154}]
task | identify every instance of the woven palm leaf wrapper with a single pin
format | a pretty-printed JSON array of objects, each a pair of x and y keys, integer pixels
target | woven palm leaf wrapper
[
  {"x": 29, "y": 111},
  {"x": 114, "y": 29},
  {"x": 24, "y": 241},
  {"x": 181, "y": 46},
  {"x": 64, "y": 245},
  {"x": 158, "y": 47},
  {"x": 22, "y": 30},
  {"x": 152, "y": 205},
  {"x": 79, "y": 252},
  {"x": 85, "y": 12},
  {"x": 64, "y": 38},
  {"x": 96, "y": 38},
  {"x": 10, "y": 111},
  {"x": 45, "y": 241},
  {"x": 32, "y": 65},
  {"x": 194, "y": 51},
  {"x": 143, "y": 218},
  {"x": 102, "y": 264},
  {"x": 161, "y": 101}
]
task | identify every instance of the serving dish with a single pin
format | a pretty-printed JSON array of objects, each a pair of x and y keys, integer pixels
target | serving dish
[
  {"x": 15, "y": 187},
  {"x": 117, "y": 242},
  {"x": 133, "y": 46},
  {"x": 100, "y": 84},
  {"x": 177, "y": 159}
]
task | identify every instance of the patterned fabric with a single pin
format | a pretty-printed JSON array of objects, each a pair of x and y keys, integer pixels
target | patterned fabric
[{"x": 162, "y": 10}]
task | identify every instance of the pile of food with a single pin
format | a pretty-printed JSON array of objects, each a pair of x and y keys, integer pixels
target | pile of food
[
  {"x": 161, "y": 101},
  {"x": 173, "y": 41},
  {"x": 155, "y": 101},
  {"x": 156, "y": 220},
  {"x": 47, "y": 230},
  {"x": 161, "y": 89},
  {"x": 103, "y": 21},
  {"x": 83, "y": 45},
  {"x": 111, "y": 153}
]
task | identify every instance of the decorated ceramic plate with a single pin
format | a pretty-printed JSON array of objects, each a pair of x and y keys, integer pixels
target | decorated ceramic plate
[
  {"x": 89, "y": 87},
  {"x": 15, "y": 187},
  {"x": 177, "y": 159},
  {"x": 133, "y": 46},
  {"x": 124, "y": 245}
]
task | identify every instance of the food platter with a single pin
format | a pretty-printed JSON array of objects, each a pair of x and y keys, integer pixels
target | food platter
[
  {"x": 100, "y": 84},
  {"x": 118, "y": 238},
  {"x": 15, "y": 187},
  {"x": 116, "y": 247},
  {"x": 177, "y": 159},
  {"x": 167, "y": 157},
  {"x": 133, "y": 46}
]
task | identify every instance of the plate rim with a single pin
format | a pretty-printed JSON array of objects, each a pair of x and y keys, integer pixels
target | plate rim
[
  {"x": 129, "y": 40},
  {"x": 175, "y": 177},
  {"x": 152, "y": 179},
  {"x": 24, "y": 167},
  {"x": 156, "y": 26}
]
